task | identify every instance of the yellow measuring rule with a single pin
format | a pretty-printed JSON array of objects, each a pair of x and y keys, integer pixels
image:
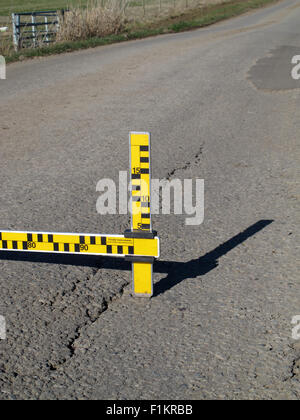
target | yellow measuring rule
[
  {"x": 142, "y": 271},
  {"x": 139, "y": 244},
  {"x": 71, "y": 243},
  {"x": 140, "y": 181}
]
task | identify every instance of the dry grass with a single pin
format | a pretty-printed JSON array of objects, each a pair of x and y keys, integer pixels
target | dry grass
[
  {"x": 98, "y": 19},
  {"x": 5, "y": 37},
  {"x": 5, "y": 47}
]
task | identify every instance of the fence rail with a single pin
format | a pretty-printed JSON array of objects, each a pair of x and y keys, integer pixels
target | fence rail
[{"x": 31, "y": 29}]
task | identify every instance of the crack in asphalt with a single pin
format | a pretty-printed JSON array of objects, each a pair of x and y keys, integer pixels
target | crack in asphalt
[
  {"x": 295, "y": 370},
  {"x": 86, "y": 322},
  {"x": 195, "y": 160}
]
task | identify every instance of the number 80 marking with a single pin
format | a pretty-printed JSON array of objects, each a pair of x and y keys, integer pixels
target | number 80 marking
[{"x": 31, "y": 245}]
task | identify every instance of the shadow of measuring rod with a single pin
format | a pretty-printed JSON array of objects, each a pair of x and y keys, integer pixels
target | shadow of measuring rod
[{"x": 176, "y": 271}]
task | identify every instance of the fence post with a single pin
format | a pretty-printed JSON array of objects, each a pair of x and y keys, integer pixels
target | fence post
[
  {"x": 58, "y": 16},
  {"x": 46, "y": 28},
  {"x": 33, "y": 29},
  {"x": 2, "y": 68},
  {"x": 16, "y": 30}
]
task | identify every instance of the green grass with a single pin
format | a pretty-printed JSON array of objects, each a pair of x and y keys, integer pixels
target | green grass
[
  {"x": 64, "y": 47},
  {"x": 185, "y": 22},
  {"x": 218, "y": 13},
  {"x": 9, "y": 6}
]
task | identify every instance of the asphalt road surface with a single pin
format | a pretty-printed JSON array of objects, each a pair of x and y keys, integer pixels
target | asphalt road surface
[{"x": 222, "y": 106}]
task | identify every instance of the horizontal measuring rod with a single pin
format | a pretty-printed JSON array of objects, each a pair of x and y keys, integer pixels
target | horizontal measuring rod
[{"x": 74, "y": 243}]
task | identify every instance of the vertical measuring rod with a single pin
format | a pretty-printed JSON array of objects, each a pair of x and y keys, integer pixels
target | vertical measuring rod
[{"x": 141, "y": 226}]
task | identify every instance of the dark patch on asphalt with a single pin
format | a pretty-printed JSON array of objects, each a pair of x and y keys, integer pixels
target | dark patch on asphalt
[{"x": 274, "y": 72}]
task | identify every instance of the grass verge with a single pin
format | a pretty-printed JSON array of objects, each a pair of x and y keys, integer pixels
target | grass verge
[{"x": 191, "y": 20}]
